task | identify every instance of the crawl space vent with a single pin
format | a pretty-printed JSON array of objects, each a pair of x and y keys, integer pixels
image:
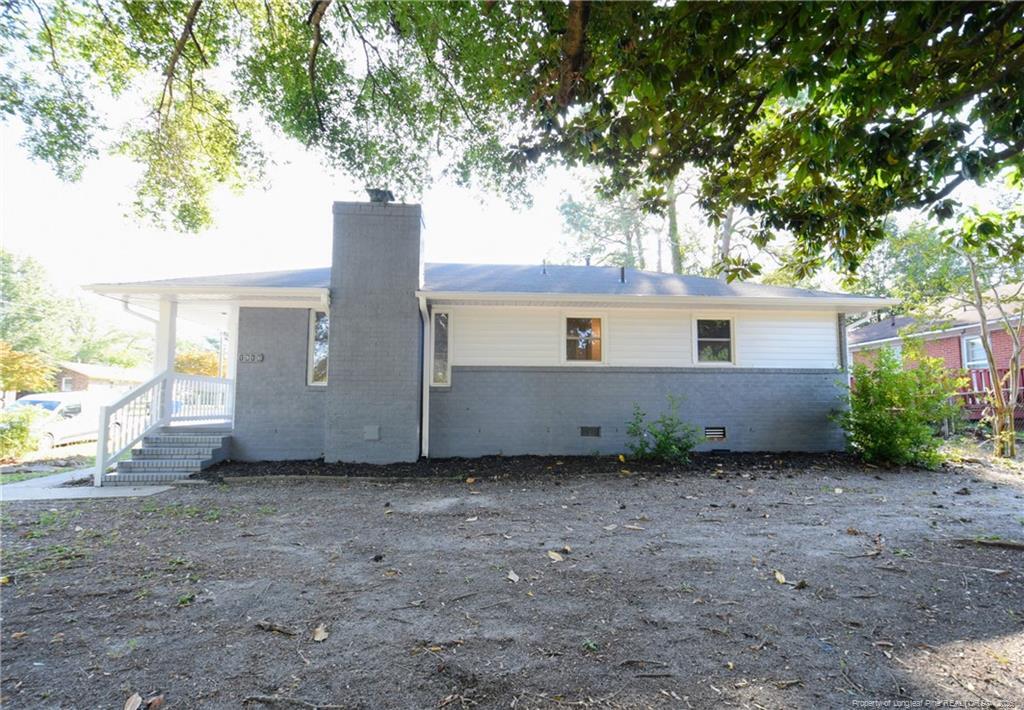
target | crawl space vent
[
  {"x": 714, "y": 433},
  {"x": 594, "y": 431}
]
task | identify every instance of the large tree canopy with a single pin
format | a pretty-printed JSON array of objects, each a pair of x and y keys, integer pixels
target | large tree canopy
[{"x": 815, "y": 118}]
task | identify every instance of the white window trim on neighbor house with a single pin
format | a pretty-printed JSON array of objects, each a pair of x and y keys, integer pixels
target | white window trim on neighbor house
[
  {"x": 695, "y": 318},
  {"x": 964, "y": 350},
  {"x": 564, "y": 337},
  {"x": 433, "y": 348},
  {"x": 311, "y": 348}
]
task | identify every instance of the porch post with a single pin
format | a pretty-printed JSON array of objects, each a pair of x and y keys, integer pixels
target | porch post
[
  {"x": 166, "y": 334},
  {"x": 231, "y": 359}
]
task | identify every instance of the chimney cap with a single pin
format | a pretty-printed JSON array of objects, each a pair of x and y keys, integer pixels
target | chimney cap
[{"x": 378, "y": 194}]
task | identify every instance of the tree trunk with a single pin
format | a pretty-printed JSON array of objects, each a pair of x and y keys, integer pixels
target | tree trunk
[
  {"x": 725, "y": 231},
  {"x": 673, "y": 228},
  {"x": 1003, "y": 434}
]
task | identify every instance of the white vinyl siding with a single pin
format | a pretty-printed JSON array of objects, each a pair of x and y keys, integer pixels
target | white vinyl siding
[
  {"x": 486, "y": 335},
  {"x": 648, "y": 338},
  {"x": 631, "y": 337},
  {"x": 791, "y": 339}
]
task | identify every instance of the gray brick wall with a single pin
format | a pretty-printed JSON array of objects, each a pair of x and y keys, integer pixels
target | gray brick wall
[
  {"x": 371, "y": 412},
  {"x": 539, "y": 410},
  {"x": 277, "y": 415}
]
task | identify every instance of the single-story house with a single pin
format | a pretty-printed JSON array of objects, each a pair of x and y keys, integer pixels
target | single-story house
[
  {"x": 381, "y": 358},
  {"x": 82, "y": 376}
]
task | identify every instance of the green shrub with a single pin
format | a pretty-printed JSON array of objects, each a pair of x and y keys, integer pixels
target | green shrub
[
  {"x": 667, "y": 438},
  {"x": 16, "y": 435},
  {"x": 895, "y": 413}
]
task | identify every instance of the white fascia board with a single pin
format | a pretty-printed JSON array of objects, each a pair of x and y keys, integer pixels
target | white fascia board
[
  {"x": 276, "y": 293},
  {"x": 852, "y": 304}
]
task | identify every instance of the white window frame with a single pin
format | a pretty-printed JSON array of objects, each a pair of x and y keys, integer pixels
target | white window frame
[
  {"x": 433, "y": 335},
  {"x": 963, "y": 353},
  {"x": 66, "y": 383},
  {"x": 731, "y": 362},
  {"x": 563, "y": 337},
  {"x": 310, "y": 347}
]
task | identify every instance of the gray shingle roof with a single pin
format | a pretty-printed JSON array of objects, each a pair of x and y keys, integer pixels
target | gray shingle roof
[
  {"x": 602, "y": 280},
  {"x": 532, "y": 279}
]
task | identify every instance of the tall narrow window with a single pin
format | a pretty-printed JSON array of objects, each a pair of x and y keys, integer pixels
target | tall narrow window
[
  {"x": 319, "y": 332},
  {"x": 441, "y": 371},
  {"x": 974, "y": 353},
  {"x": 714, "y": 340},
  {"x": 583, "y": 339}
]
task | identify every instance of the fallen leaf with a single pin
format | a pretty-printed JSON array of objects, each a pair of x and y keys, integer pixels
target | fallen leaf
[
  {"x": 470, "y": 480},
  {"x": 512, "y": 576},
  {"x": 320, "y": 633},
  {"x": 779, "y": 577},
  {"x": 565, "y": 550},
  {"x": 555, "y": 557},
  {"x": 622, "y": 458},
  {"x": 19, "y": 634},
  {"x": 5, "y": 580},
  {"x": 134, "y": 702},
  {"x": 155, "y": 703}
]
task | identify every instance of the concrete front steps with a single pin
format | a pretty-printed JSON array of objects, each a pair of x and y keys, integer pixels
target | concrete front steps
[{"x": 171, "y": 455}]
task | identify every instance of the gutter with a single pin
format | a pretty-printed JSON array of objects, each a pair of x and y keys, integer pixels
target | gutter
[
  {"x": 424, "y": 378},
  {"x": 848, "y": 304}
]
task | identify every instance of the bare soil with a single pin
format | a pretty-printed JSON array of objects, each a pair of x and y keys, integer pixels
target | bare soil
[{"x": 756, "y": 581}]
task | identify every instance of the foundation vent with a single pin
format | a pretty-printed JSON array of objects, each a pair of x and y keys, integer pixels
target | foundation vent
[
  {"x": 714, "y": 433},
  {"x": 594, "y": 431}
]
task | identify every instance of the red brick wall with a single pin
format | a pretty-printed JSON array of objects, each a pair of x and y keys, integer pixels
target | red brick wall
[
  {"x": 1001, "y": 347},
  {"x": 947, "y": 349}
]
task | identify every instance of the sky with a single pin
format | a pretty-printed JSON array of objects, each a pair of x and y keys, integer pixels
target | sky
[{"x": 85, "y": 232}]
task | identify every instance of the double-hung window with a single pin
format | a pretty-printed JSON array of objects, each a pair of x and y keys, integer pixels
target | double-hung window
[
  {"x": 441, "y": 366},
  {"x": 319, "y": 336},
  {"x": 974, "y": 353},
  {"x": 583, "y": 340},
  {"x": 714, "y": 340}
]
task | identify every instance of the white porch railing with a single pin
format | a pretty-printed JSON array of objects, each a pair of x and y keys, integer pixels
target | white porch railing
[{"x": 167, "y": 398}]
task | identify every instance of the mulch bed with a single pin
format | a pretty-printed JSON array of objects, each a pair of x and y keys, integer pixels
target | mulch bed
[{"x": 515, "y": 467}]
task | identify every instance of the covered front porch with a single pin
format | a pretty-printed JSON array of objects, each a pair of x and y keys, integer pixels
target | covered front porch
[{"x": 175, "y": 424}]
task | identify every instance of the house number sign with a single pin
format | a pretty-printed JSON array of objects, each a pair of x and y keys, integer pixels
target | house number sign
[{"x": 250, "y": 357}]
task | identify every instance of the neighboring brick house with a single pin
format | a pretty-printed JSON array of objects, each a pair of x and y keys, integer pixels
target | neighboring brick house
[
  {"x": 956, "y": 340},
  {"x": 80, "y": 376}
]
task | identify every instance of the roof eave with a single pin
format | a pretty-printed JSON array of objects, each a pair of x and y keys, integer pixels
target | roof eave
[
  {"x": 848, "y": 304},
  {"x": 316, "y": 293}
]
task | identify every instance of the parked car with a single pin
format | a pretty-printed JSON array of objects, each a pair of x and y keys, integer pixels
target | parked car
[{"x": 66, "y": 416}]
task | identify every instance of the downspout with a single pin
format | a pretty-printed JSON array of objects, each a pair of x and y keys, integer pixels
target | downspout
[{"x": 425, "y": 380}]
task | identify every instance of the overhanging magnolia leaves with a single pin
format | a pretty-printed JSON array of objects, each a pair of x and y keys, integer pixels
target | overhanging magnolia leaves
[{"x": 817, "y": 119}]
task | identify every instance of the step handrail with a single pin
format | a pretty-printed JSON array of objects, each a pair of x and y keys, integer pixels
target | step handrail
[{"x": 126, "y": 421}]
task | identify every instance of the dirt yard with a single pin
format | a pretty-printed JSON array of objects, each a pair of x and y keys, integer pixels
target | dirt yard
[{"x": 761, "y": 582}]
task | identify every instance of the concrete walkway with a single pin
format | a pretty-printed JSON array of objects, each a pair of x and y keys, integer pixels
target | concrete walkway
[{"x": 53, "y": 488}]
